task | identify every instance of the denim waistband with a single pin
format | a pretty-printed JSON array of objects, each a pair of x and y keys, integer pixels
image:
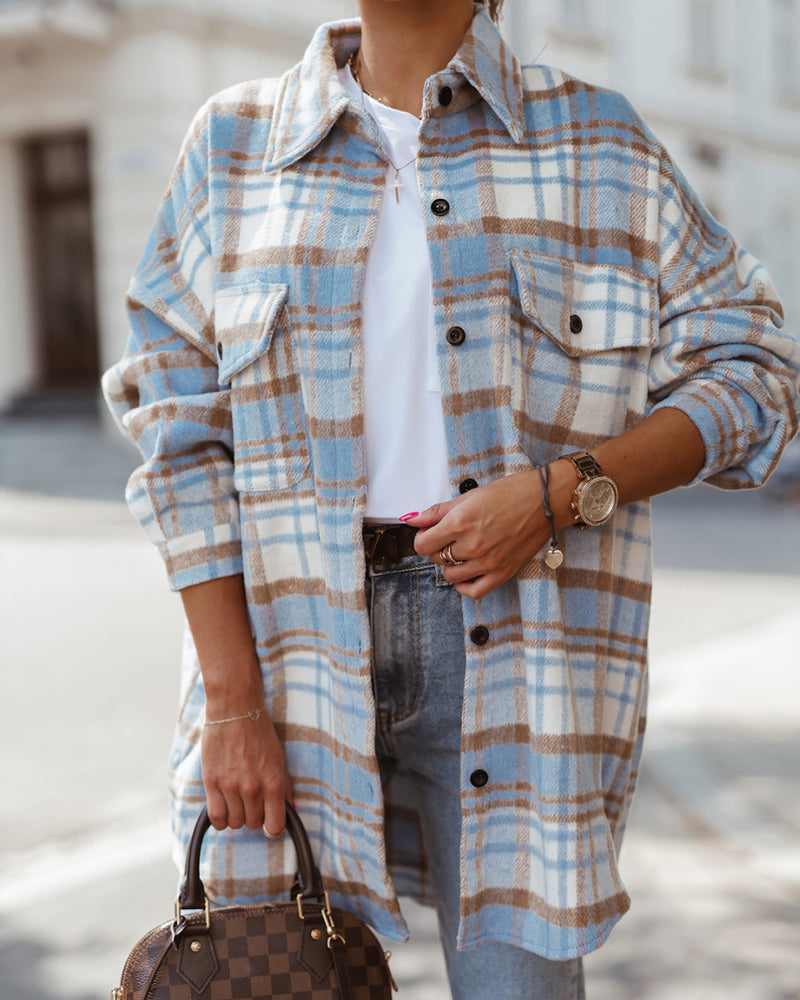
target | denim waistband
[{"x": 407, "y": 564}]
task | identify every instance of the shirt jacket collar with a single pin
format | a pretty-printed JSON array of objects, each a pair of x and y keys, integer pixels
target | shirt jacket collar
[{"x": 310, "y": 99}]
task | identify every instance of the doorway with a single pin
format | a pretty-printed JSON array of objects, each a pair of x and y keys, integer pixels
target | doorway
[{"x": 57, "y": 167}]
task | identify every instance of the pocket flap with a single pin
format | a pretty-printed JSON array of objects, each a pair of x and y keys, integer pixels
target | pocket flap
[
  {"x": 587, "y": 308},
  {"x": 245, "y": 319}
]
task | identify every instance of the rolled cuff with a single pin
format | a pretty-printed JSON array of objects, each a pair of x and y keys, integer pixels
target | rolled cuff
[
  {"x": 737, "y": 456},
  {"x": 202, "y": 556}
]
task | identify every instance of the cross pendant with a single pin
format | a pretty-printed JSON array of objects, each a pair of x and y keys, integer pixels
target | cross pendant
[{"x": 397, "y": 185}]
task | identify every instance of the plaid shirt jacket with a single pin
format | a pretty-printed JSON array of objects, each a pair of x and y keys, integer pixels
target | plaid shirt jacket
[{"x": 242, "y": 386}]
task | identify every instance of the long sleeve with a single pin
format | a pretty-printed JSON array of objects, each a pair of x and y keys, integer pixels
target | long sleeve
[
  {"x": 164, "y": 392},
  {"x": 723, "y": 356}
]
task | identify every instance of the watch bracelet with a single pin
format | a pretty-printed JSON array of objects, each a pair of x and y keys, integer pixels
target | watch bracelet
[
  {"x": 586, "y": 464},
  {"x": 588, "y": 469}
]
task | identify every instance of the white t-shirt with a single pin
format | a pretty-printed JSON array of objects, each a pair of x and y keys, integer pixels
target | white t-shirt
[{"x": 406, "y": 450}]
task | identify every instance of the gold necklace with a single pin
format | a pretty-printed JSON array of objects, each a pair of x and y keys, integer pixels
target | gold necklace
[{"x": 352, "y": 62}]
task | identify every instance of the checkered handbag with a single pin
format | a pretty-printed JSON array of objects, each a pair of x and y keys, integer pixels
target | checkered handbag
[{"x": 303, "y": 949}]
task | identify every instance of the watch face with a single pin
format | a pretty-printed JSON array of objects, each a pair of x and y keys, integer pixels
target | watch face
[{"x": 597, "y": 501}]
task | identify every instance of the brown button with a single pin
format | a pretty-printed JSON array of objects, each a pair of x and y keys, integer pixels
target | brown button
[
  {"x": 467, "y": 484},
  {"x": 479, "y": 778},
  {"x": 480, "y": 635},
  {"x": 445, "y": 96},
  {"x": 575, "y": 324},
  {"x": 456, "y": 335},
  {"x": 440, "y": 207},
  {"x": 219, "y": 348}
]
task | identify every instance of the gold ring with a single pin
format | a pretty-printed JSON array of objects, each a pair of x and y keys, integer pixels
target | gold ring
[{"x": 447, "y": 556}]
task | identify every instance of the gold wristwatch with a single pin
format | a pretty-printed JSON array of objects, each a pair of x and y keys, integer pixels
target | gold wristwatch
[{"x": 596, "y": 496}]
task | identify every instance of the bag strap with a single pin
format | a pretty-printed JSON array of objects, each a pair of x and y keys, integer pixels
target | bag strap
[
  {"x": 193, "y": 894},
  {"x": 341, "y": 968}
]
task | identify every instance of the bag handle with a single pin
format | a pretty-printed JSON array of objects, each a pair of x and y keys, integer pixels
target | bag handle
[{"x": 193, "y": 894}]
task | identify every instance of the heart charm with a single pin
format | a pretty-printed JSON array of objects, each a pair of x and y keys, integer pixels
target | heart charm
[{"x": 554, "y": 557}]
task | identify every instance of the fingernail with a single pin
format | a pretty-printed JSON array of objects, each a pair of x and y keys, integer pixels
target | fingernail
[
  {"x": 409, "y": 517},
  {"x": 272, "y": 836}
]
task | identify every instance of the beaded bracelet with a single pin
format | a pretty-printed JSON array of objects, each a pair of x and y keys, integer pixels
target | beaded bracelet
[{"x": 554, "y": 557}]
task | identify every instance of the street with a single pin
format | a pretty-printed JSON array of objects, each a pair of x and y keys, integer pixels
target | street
[{"x": 90, "y": 640}]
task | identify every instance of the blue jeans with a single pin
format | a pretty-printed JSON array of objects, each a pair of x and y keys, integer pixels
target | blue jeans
[{"x": 418, "y": 676}]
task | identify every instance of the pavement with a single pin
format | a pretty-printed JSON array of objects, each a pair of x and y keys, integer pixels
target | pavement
[{"x": 89, "y": 644}]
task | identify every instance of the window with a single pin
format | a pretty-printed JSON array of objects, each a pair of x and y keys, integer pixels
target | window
[
  {"x": 579, "y": 19},
  {"x": 707, "y": 174},
  {"x": 708, "y": 155},
  {"x": 574, "y": 14},
  {"x": 706, "y": 37},
  {"x": 786, "y": 48}
]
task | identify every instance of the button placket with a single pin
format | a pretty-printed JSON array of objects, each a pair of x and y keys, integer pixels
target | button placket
[
  {"x": 479, "y": 635},
  {"x": 456, "y": 336}
]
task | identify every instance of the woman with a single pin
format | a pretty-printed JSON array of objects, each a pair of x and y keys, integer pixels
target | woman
[{"x": 411, "y": 276}]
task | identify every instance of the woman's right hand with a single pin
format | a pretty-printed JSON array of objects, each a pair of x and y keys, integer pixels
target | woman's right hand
[
  {"x": 245, "y": 777},
  {"x": 244, "y": 767}
]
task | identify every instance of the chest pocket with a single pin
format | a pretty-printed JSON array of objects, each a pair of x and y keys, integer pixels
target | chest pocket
[
  {"x": 586, "y": 309},
  {"x": 581, "y": 337},
  {"x": 256, "y": 359}
]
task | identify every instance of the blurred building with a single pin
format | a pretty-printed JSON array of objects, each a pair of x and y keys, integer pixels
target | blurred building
[{"x": 95, "y": 97}]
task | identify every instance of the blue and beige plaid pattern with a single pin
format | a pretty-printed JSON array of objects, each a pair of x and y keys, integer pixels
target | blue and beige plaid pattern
[{"x": 242, "y": 385}]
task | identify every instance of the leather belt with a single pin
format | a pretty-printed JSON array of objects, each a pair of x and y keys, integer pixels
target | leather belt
[{"x": 388, "y": 543}]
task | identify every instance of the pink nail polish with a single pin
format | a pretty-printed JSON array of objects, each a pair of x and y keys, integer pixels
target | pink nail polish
[{"x": 409, "y": 517}]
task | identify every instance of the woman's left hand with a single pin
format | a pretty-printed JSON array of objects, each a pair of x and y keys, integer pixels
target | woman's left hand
[{"x": 492, "y": 530}]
